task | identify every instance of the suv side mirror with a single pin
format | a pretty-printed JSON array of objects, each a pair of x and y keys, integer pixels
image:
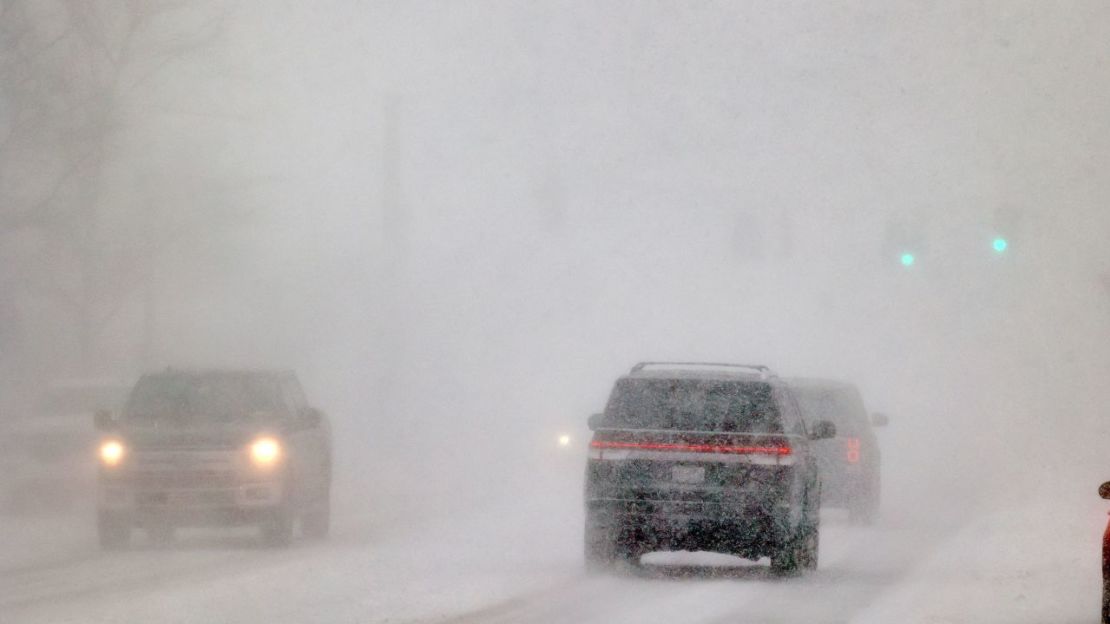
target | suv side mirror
[
  {"x": 311, "y": 418},
  {"x": 595, "y": 421},
  {"x": 102, "y": 420},
  {"x": 1104, "y": 490},
  {"x": 822, "y": 430},
  {"x": 879, "y": 420}
]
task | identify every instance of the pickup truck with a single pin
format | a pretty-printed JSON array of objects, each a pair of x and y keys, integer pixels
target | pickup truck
[{"x": 214, "y": 448}]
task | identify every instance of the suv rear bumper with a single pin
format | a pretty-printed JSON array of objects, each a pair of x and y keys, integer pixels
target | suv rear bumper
[
  {"x": 749, "y": 529},
  {"x": 843, "y": 485}
]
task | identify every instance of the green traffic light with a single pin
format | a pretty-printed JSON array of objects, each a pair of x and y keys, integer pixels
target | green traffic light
[
  {"x": 1000, "y": 245},
  {"x": 908, "y": 259}
]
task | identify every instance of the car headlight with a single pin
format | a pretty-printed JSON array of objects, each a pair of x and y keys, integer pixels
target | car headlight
[
  {"x": 111, "y": 452},
  {"x": 265, "y": 452}
]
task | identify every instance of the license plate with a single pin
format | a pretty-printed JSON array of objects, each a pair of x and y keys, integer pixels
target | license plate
[{"x": 688, "y": 474}]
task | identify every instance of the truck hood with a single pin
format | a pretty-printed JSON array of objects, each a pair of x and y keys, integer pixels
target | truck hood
[{"x": 141, "y": 438}]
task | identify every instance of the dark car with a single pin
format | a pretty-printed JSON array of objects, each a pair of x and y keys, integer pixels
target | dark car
[
  {"x": 1104, "y": 491},
  {"x": 712, "y": 457},
  {"x": 851, "y": 463},
  {"x": 204, "y": 448}
]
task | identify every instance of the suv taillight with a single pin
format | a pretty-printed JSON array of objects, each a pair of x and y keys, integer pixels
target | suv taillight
[{"x": 852, "y": 450}]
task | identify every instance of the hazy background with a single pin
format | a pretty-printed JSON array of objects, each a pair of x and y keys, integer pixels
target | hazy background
[{"x": 459, "y": 222}]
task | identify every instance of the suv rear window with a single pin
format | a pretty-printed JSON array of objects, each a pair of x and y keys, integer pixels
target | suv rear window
[
  {"x": 842, "y": 406},
  {"x": 693, "y": 405},
  {"x": 205, "y": 400}
]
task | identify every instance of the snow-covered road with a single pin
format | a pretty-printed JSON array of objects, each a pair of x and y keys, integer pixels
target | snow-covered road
[{"x": 509, "y": 562}]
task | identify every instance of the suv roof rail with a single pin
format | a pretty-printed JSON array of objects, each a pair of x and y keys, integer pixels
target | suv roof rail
[{"x": 764, "y": 371}]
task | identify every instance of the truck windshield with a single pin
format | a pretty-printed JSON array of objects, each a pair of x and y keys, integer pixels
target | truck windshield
[
  {"x": 693, "y": 405},
  {"x": 205, "y": 399}
]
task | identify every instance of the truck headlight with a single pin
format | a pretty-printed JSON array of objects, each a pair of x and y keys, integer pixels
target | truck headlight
[
  {"x": 111, "y": 453},
  {"x": 265, "y": 452}
]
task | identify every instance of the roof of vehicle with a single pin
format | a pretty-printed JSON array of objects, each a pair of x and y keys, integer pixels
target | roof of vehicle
[
  {"x": 216, "y": 372},
  {"x": 850, "y": 417},
  {"x": 814, "y": 382},
  {"x": 702, "y": 371}
]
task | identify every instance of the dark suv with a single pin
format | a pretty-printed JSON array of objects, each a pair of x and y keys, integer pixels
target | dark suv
[
  {"x": 851, "y": 465},
  {"x": 692, "y": 456},
  {"x": 214, "y": 448}
]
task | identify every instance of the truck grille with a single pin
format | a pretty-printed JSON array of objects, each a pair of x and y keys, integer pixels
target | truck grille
[
  {"x": 185, "y": 497},
  {"x": 183, "y": 469},
  {"x": 183, "y": 479}
]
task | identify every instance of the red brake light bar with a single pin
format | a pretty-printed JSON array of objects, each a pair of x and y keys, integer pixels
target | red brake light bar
[{"x": 693, "y": 448}]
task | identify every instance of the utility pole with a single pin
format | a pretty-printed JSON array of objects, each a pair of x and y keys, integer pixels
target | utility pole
[
  {"x": 394, "y": 223},
  {"x": 391, "y": 283}
]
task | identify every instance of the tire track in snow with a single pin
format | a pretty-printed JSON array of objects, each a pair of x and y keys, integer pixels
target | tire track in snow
[{"x": 862, "y": 565}]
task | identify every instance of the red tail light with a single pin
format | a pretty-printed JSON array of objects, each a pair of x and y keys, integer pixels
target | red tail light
[
  {"x": 852, "y": 450},
  {"x": 779, "y": 450}
]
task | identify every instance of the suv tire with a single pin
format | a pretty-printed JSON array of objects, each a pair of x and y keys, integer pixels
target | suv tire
[
  {"x": 113, "y": 530},
  {"x": 864, "y": 509},
  {"x": 784, "y": 562},
  {"x": 798, "y": 553},
  {"x": 809, "y": 547},
  {"x": 601, "y": 544}
]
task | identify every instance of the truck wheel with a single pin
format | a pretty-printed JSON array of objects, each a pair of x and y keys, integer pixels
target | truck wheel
[
  {"x": 277, "y": 528},
  {"x": 113, "y": 530},
  {"x": 317, "y": 523}
]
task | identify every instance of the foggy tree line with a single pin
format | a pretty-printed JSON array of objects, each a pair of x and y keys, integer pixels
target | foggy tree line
[{"x": 90, "y": 197}]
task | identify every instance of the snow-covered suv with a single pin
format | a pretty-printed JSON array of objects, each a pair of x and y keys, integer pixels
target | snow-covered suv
[
  {"x": 851, "y": 464},
  {"x": 692, "y": 456}
]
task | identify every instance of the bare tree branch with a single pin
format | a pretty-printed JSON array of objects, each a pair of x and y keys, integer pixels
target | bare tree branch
[
  {"x": 34, "y": 216},
  {"x": 213, "y": 29},
  {"x": 67, "y": 86}
]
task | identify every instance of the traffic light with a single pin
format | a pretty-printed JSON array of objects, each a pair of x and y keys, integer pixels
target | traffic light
[
  {"x": 905, "y": 241},
  {"x": 1008, "y": 221}
]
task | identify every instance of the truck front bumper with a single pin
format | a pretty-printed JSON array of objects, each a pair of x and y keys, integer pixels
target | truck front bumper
[{"x": 244, "y": 503}]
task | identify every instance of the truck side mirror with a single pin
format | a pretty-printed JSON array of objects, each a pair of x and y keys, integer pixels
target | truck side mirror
[
  {"x": 102, "y": 420},
  {"x": 595, "y": 421},
  {"x": 879, "y": 420},
  {"x": 1104, "y": 490},
  {"x": 823, "y": 430}
]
